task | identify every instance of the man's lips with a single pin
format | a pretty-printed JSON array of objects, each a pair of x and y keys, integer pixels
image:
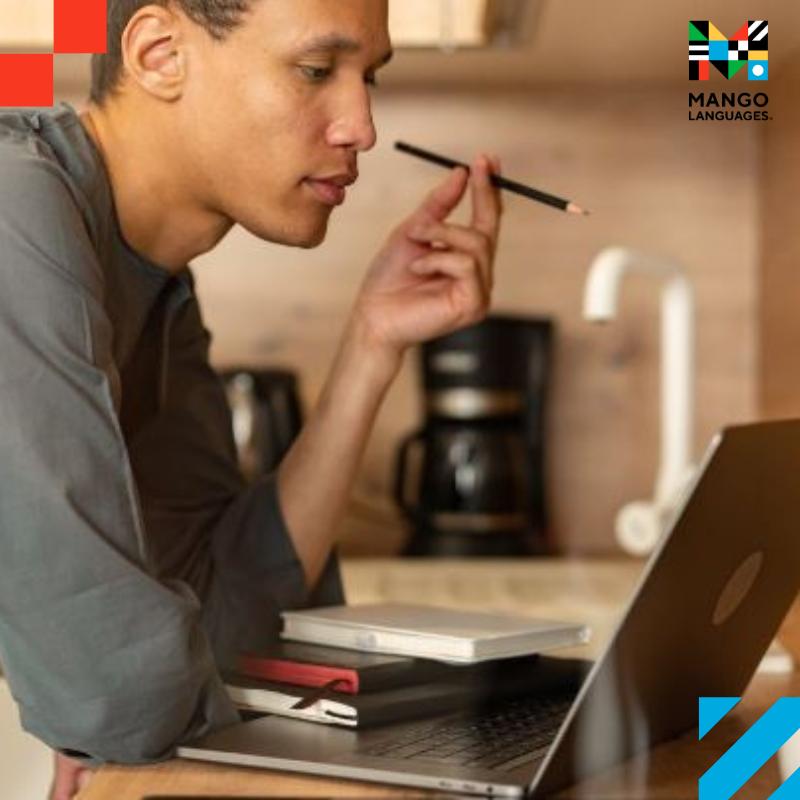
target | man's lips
[{"x": 332, "y": 190}]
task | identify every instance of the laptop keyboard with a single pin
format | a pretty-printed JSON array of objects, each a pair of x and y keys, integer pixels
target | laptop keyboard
[{"x": 503, "y": 738}]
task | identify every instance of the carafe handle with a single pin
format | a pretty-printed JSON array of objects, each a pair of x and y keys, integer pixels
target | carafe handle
[{"x": 401, "y": 477}]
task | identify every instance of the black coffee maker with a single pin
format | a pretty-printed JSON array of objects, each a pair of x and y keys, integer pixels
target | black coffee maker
[{"x": 471, "y": 481}]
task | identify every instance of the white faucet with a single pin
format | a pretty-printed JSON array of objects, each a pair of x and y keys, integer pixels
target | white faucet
[{"x": 640, "y": 524}]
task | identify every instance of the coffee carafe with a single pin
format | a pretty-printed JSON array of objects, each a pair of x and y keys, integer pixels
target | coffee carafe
[{"x": 471, "y": 480}]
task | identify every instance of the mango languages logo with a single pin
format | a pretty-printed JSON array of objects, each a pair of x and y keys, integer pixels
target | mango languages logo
[
  {"x": 748, "y": 47},
  {"x": 79, "y": 26},
  {"x": 757, "y": 745}
]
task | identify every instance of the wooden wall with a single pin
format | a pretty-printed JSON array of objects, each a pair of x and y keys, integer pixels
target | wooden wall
[
  {"x": 779, "y": 276},
  {"x": 655, "y": 181},
  {"x": 779, "y": 285}
]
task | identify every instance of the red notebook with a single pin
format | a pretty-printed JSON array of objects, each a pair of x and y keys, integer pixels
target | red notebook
[{"x": 347, "y": 671}]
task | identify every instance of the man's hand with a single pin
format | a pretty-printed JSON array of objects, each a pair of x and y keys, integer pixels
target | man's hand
[
  {"x": 69, "y": 779},
  {"x": 431, "y": 277}
]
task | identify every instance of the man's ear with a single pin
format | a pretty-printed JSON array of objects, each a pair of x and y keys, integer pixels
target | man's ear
[{"x": 153, "y": 53}]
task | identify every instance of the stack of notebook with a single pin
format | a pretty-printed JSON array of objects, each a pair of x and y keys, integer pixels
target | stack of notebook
[{"x": 368, "y": 665}]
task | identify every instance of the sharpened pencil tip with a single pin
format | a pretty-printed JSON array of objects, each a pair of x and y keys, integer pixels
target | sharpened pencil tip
[{"x": 574, "y": 208}]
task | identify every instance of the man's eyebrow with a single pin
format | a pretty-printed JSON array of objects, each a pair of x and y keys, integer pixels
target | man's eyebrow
[{"x": 334, "y": 42}]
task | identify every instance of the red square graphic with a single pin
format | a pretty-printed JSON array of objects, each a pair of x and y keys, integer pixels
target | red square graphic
[
  {"x": 26, "y": 80},
  {"x": 80, "y": 26}
]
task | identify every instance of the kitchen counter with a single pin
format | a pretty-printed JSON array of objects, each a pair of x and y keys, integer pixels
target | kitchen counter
[{"x": 591, "y": 591}]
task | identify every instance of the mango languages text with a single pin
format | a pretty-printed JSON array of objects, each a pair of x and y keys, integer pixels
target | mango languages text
[{"x": 728, "y": 106}]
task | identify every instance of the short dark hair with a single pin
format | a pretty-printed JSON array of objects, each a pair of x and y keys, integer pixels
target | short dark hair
[{"x": 218, "y": 17}]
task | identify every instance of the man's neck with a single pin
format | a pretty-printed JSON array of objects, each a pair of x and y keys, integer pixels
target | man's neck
[{"x": 158, "y": 215}]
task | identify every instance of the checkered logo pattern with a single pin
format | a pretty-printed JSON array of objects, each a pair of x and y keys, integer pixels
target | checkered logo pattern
[
  {"x": 737, "y": 51},
  {"x": 79, "y": 26},
  {"x": 748, "y": 47}
]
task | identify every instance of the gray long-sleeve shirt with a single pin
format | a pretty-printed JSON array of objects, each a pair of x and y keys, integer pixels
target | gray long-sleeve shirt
[{"x": 133, "y": 557}]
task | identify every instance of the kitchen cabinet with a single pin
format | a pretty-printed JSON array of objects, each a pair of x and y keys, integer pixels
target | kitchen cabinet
[{"x": 26, "y": 27}]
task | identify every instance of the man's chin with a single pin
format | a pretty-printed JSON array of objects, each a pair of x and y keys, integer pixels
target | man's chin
[
  {"x": 307, "y": 237},
  {"x": 313, "y": 238}
]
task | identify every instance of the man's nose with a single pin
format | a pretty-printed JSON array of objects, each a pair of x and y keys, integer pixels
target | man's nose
[{"x": 354, "y": 126}]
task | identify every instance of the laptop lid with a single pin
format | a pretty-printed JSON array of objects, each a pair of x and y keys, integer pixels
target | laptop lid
[{"x": 707, "y": 607}]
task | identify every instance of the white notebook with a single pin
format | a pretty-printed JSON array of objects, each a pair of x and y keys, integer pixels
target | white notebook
[
  {"x": 455, "y": 636},
  {"x": 283, "y": 700}
]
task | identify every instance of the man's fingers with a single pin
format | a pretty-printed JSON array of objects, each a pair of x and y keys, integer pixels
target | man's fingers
[
  {"x": 444, "y": 198},
  {"x": 467, "y": 249},
  {"x": 460, "y": 238},
  {"x": 69, "y": 778},
  {"x": 463, "y": 269},
  {"x": 454, "y": 265},
  {"x": 84, "y": 779},
  {"x": 486, "y": 203}
]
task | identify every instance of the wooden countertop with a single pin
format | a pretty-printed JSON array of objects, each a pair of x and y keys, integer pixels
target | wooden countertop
[{"x": 581, "y": 590}]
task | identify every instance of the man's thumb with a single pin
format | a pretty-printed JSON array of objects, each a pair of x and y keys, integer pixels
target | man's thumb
[{"x": 85, "y": 778}]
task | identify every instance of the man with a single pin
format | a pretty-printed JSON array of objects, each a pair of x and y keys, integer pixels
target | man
[{"x": 133, "y": 559}]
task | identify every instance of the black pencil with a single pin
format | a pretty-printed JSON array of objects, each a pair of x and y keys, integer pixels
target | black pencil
[{"x": 497, "y": 180}]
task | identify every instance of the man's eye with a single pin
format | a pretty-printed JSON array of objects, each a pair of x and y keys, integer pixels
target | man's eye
[{"x": 316, "y": 74}]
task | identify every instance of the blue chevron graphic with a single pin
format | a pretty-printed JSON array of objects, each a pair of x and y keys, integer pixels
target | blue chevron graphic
[
  {"x": 712, "y": 710},
  {"x": 789, "y": 789},
  {"x": 762, "y": 741}
]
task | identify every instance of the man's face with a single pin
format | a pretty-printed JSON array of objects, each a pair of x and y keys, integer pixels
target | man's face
[{"x": 276, "y": 114}]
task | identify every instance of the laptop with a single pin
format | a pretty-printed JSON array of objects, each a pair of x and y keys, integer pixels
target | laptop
[{"x": 706, "y": 608}]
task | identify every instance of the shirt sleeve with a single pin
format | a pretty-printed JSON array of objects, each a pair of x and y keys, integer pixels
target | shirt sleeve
[{"x": 102, "y": 658}]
